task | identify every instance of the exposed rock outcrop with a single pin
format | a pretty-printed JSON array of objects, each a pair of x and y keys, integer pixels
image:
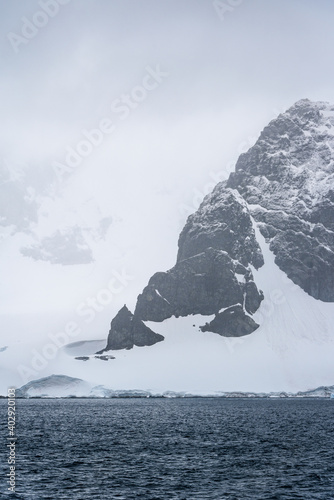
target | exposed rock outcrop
[
  {"x": 127, "y": 331},
  {"x": 212, "y": 271},
  {"x": 202, "y": 284},
  {"x": 233, "y": 322},
  {"x": 287, "y": 179},
  {"x": 222, "y": 222}
]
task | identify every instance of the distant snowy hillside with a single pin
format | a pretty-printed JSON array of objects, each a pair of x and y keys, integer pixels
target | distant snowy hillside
[{"x": 60, "y": 386}]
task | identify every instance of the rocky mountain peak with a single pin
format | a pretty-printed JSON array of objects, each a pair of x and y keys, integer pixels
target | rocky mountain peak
[
  {"x": 284, "y": 184},
  {"x": 287, "y": 179}
]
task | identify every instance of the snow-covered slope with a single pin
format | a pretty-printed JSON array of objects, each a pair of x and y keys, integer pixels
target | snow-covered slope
[
  {"x": 54, "y": 387},
  {"x": 292, "y": 350}
]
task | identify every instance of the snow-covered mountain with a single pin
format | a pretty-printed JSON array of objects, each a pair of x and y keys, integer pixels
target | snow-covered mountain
[
  {"x": 248, "y": 305},
  {"x": 284, "y": 186}
]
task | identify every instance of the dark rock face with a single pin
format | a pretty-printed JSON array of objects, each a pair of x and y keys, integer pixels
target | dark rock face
[
  {"x": 287, "y": 178},
  {"x": 126, "y": 331},
  {"x": 222, "y": 222},
  {"x": 217, "y": 244},
  {"x": 233, "y": 322},
  {"x": 253, "y": 297},
  {"x": 212, "y": 272},
  {"x": 104, "y": 358},
  {"x": 202, "y": 284}
]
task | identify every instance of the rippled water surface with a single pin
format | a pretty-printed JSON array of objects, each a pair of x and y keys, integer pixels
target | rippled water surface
[{"x": 172, "y": 449}]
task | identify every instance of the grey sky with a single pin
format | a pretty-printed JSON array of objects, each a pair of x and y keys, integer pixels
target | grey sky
[
  {"x": 263, "y": 55},
  {"x": 226, "y": 79}
]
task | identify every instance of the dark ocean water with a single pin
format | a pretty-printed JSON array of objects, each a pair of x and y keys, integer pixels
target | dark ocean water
[{"x": 171, "y": 449}]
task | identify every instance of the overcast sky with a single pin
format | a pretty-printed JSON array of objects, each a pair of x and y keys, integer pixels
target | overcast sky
[
  {"x": 229, "y": 72},
  {"x": 203, "y": 82}
]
